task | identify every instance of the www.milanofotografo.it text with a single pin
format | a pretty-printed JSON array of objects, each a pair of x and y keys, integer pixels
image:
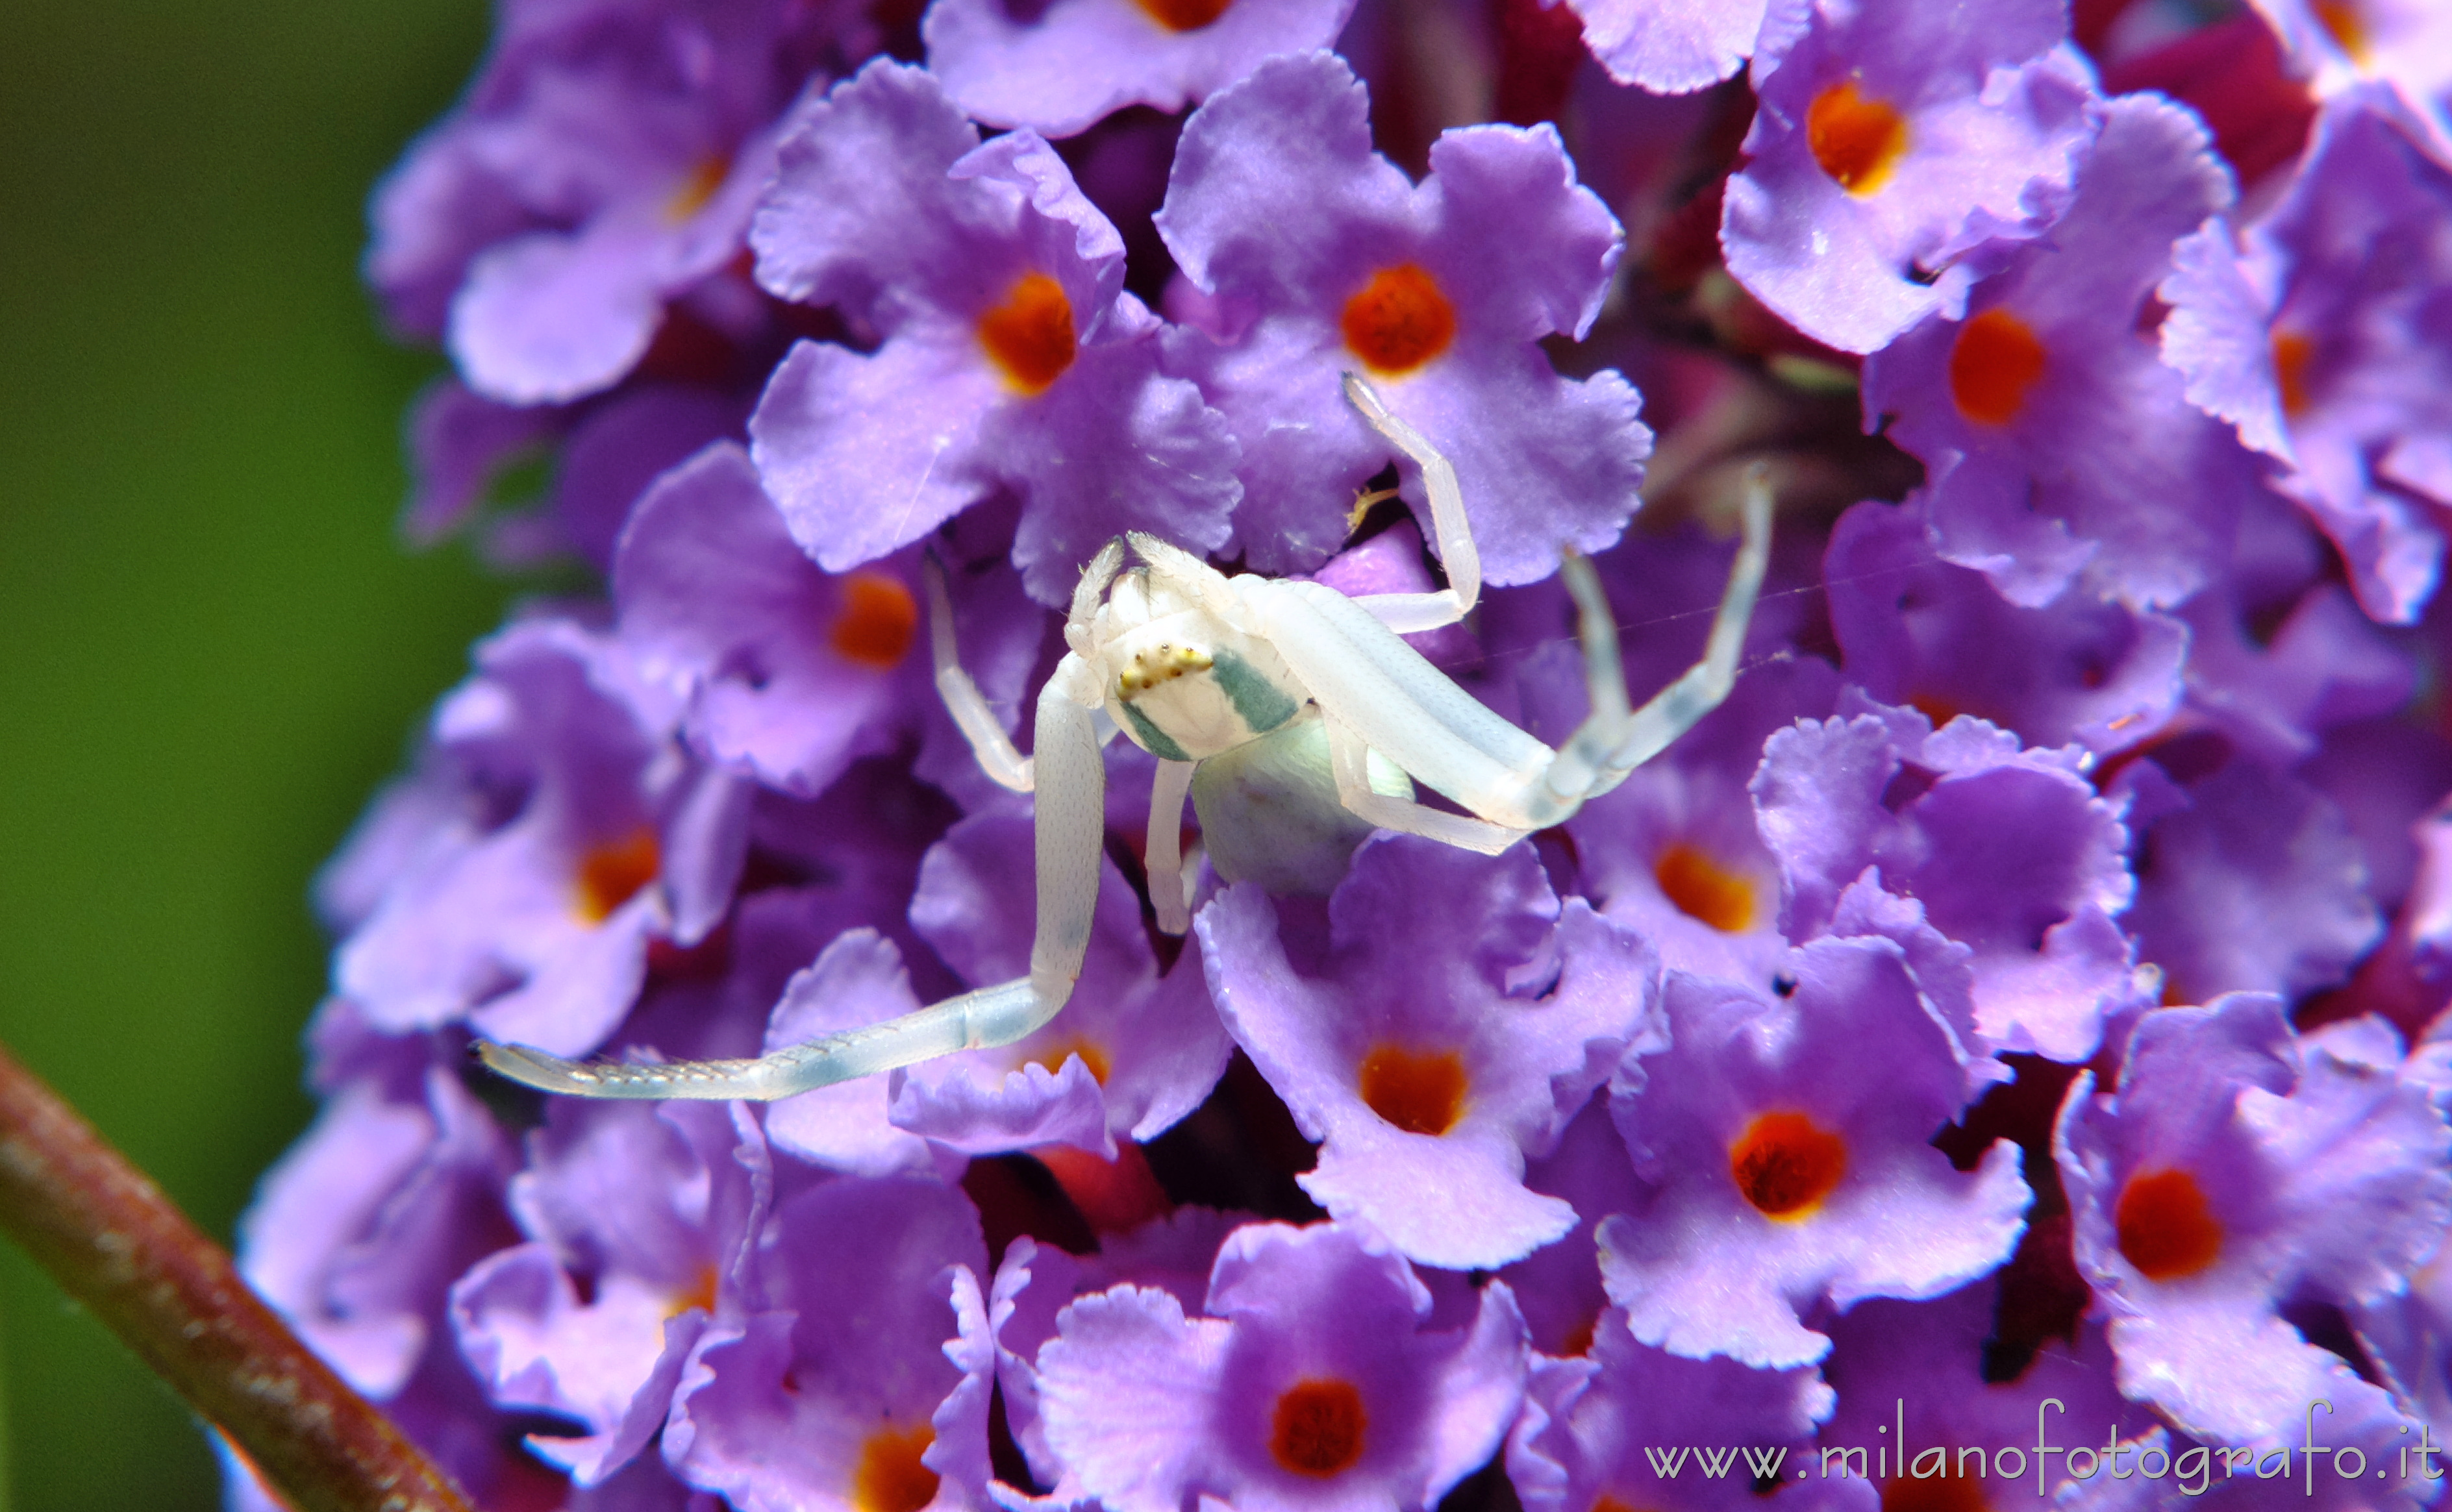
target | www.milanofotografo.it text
[{"x": 2193, "y": 1469}]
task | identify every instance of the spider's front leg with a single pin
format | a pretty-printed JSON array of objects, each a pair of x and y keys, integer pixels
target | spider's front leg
[
  {"x": 1071, "y": 781},
  {"x": 1007, "y": 767}
]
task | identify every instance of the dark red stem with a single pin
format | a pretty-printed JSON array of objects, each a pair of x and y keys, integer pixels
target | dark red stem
[{"x": 115, "y": 1244}]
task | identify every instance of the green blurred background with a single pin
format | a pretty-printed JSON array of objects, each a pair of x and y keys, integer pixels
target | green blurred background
[{"x": 212, "y": 644}]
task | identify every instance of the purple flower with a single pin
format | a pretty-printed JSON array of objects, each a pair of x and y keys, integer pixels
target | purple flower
[
  {"x": 1320, "y": 258},
  {"x": 1036, "y": 1283},
  {"x": 2008, "y": 852},
  {"x": 1459, "y": 1019},
  {"x": 462, "y": 448},
  {"x": 1700, "y": 1094},
  {"x": 769, "y": 664},
  {"x": 459, "y": 443},
  {"x": 654, "y": 1213},
  {"x": 1063, "y": 67},
  {"x": 855, "y": 850},
  {"x": 1675, "y": 853},
  {"x": 2237, "y": 1168},
  {"x": 2429, "y": 921},
  {"x": 1782, "y": 1147},
  {"x": 1911, "y": 1373},
  {"x": 2248, "y": 879},
  {"x": 2275, "y": 687},
  {"x": 605, "y": 161},
  {"x": 2323, "y": 332},
  {"x": 865, "y": 1381},
  {"x": 2409, "y": 1335},
  {"x": 1135, "y": 1049},
  {"x": 1558, "y": 1285},
  {"x": 1900, "y": 145},
  {"x": 1671, "y": 46},
  {"x": 1621, "y": 1426},
  {"x": 573, "y": 836},
  {"x": 619, "y": 446},
  {"x": 359, "y": 1230},
  {"x": 357, "y": 1234},
  {"x": 2365, "y": 1454},
  {"x": 1917, "y": 630},
  {"x": 1312, "y": 1384},
  {"x": 2060, "y": 448},
  {"x": 845, "y": 862},
  {"x": 1012, "y": 358}
]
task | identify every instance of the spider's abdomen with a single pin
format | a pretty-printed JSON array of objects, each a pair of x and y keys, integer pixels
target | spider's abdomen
[
  {"x": 1183, "y": 698},
  {"x": 1270, "y": 813}
]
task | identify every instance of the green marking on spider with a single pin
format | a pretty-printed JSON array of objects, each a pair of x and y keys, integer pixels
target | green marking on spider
[{"x": 1261, "y": 703}]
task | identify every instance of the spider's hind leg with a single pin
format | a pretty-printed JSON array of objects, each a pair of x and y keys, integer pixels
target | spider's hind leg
[{"x": 1614, "y": 739}]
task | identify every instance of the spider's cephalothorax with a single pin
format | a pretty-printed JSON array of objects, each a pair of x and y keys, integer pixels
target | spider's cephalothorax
[
  {"x": 1278, "y": 680},
  {"x": 1182, "y": 683}
]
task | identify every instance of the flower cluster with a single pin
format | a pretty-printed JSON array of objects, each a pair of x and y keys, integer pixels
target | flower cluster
[{"x": 2021, "y": 993}]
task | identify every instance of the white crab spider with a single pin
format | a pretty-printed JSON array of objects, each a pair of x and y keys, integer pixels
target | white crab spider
[{"x": 1193, "y": 665}]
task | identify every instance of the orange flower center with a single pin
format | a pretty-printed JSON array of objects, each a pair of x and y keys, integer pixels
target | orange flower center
[
  {"x": 698, "y": 1294},
  {"x": 1030, "y": 334},
  {"x": 1995, "y": 359},
  {"x": 1183, "y": 15},
  {"x": 2347, "y": 27},
  {"x": 1701, "y": 890},
  {"x": 1786, "y": 1164},
  {"x": 1858, "y": 141},
  {"x": 877, "y": 623},
  {"x": 2166, "y": 1229},
  {"x": 1420, "y": 1095},
  {"x": 1399, "y": 321},
  {"x": 890, "y": 1477},
  {"x": 690, "y": 196},
  {"x": 1094, "y": 1058},
  {"x": 1317, "y": 1430},
  {"x": 1941, "y": 1493},
  {"x": 611, "y": 874},
  {"x": 1939, "y": 709},
  {"x": 2292, "y": 352}
]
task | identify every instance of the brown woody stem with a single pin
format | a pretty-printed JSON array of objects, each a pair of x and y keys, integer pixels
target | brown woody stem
[{"x": 113, "y": 1242}]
